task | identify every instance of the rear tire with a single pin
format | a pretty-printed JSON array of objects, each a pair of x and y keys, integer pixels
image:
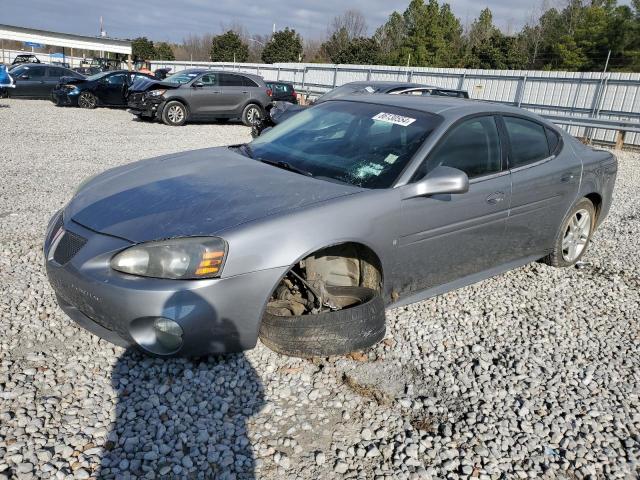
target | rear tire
[
  {"x": 574, "y": 235},
  {"x": 87, "y": 100},
  {"x": 174, "y": 114},
  {"x": 328, "y": 333},
  {"x": 251, "y": 114}
]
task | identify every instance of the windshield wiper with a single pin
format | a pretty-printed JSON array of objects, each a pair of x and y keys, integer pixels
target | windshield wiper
[
  {"x": 245, "y": 149},
  {"x": 286, "y": 166}
]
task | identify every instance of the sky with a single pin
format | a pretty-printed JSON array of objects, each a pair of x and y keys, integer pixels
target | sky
[{"x": 172, "y": 20}]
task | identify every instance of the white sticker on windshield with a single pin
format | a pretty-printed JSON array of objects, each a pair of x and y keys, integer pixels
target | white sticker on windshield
[
  {"x": 395, "y": 119},
  {"x": 370, "y": 170},
  {"x": 391, "y": 158},
  {"x": 370, "y": 89}
]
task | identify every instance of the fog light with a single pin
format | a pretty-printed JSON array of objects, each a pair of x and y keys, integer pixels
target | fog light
[{"x": 168, "y": 333}]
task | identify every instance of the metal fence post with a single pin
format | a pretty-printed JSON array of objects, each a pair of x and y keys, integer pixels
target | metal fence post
[
  {"x": 369, "y": 75},
  {"x": 522, "y": 83},
  {"x": 335, "y": 76},
  {"x": 409, "y": 75},
  {"x": 463, "y": 77},
  {"x": 278, "y": 77},
  {"x": 304, "y": 74}
]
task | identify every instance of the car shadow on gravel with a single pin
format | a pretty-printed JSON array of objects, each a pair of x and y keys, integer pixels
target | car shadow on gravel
[{"x": 183, "y": 418}]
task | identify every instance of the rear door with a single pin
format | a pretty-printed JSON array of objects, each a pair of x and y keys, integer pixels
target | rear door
[
  {"x": 53, "y": 77},
  {"x": 234, "y": 94},
  {"x": 545, "y": 176},
  {"x": 448, "y": 237}
]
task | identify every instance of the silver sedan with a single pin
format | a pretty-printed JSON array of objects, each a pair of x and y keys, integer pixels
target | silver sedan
[{"x": 304, "y": 236}]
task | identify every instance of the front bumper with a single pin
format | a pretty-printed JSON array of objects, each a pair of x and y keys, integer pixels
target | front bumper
[
  {"x": 216, "y": 315},
  {"x": 140, "y": 105},
  {"x": 64, "y": 97}
]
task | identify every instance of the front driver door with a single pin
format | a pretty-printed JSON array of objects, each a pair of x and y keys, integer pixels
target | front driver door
[
  {"x": 448, "y": 237},
  {"x": 114, "y": 89},
  {"x": 205, "y": 93}
]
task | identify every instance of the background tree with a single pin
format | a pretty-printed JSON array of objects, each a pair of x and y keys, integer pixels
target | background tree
[
  {"x": 344, "y": 28},
  {"x": 359, "y": 51},
  {"x": 142, "y": 49},
  {"x": 284, "y": 46},
  {"x": 163, "y": 51},
  {"x": 229, "y": 47}
]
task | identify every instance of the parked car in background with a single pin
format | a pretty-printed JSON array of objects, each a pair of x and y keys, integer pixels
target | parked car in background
[
  {"x": 108, "y": 89},
  {"x": 303, "y": 236},
  {"x": 198, "y": 94},
  {"x": 61, "y": 64},
  {"x": 278, "y": 112},
  {"x": 105, "y": 64},
  {"x": 283, "y": 92},
  {"x": 37, "y": 80},
  {"x": 87, "y": 71},
  {"x": 25, "y": 58},
  {"x": 162, "y": 73}
]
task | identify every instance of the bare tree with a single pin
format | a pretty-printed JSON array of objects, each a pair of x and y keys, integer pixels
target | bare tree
[
  {"x": 194, "y": 47},
  {"x": 352, "y": 22}
]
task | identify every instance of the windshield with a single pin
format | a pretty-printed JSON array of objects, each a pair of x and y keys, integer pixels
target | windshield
[
  {"x": 362, "y": 144},
  {"x": 181, "y": 77},
  {"x": 97, "y": 76},
  {"x": 345, "y": 90}
]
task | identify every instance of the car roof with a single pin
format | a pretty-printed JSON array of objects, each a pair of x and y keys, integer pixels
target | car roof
[
  {"x": 389, "y": 84},
  {"x": 446, "y": 107}
]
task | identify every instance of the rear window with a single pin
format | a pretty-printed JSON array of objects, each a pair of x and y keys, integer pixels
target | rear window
[
  {"x": 229, "y": 80},
  {"x": 247, "y": 82},
  {"x": 56, "y": 72},
  {"x": 528, "y": 141},
  {"x": 554, "y": 141},
  {"x": 281, "y": 88}
]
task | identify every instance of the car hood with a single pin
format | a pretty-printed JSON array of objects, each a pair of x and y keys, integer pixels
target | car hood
[
  {"x": 69, "y": 80},
  {"x": 197, "y": 193},
  {"x": 144, "y": 84}
]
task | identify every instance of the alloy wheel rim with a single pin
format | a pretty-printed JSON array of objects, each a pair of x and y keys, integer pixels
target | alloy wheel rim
[
  {"x": 86, "y": 101},
  {"x": 576, "y": 235},
  {"x": 253, "y": 115},
  {"x": 175, "y": 114}
]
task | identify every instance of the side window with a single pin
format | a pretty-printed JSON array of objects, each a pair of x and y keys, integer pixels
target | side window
[
  {"x": 472, "y": 146},
  {"x": 229, "y": 80},
  {"x": 116, "y": 79},
  {"x": 554, "y": 141},
  {"x": 528, "y": 141},
  {"x": 56, "y": 72},
  {"x": 35, "y": 72},
  {"x": 209, "y": 80},
  {"x": 247, "y": 82}
]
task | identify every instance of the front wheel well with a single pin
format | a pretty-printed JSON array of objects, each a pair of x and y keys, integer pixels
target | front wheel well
[
  {"x": 596, "y": 200},
  {"x": 348, "y": 264}
]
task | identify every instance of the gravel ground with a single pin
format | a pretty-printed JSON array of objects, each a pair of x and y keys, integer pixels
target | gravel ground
[{"x": 532, "y": 374}]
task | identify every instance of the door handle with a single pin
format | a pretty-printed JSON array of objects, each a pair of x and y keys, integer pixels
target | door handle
[
  {"x": 244, "y": 91},
  {"x": 567, "y": 177},
  {"x": 495, "y": 198}
]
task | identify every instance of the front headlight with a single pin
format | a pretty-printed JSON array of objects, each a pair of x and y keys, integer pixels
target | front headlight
[
  {"x": 156, "y": 93},
  {"x": 180, "y": 258}
]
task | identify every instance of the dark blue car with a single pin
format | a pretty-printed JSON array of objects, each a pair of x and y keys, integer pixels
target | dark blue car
[{"x": 102, "y": 89}]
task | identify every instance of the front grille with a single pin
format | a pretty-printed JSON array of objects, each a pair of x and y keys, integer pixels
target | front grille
[{"x": 69, "y": 245}]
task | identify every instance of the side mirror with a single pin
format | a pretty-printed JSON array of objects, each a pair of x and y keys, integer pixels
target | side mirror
[
  {"x": 441, "y": 180},
  {"x": 197, "y": 85}
]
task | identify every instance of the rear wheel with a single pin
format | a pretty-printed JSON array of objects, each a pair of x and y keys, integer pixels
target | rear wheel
[
  {"x": 574, "y": 235},
  {"x": 87, "y": 100},
  {"x": 174, "y": 114},
  {"x": 251, "y": 114}
]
